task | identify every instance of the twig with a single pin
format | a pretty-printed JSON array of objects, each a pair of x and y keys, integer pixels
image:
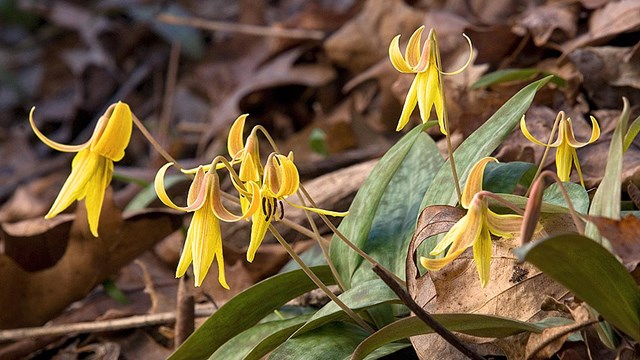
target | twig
[
  {"x": 447, "y": 335},
  {"x": 169, "y": 91},
  {"x": 185, "y": 313},
  {"x": 242, "y": 28},
  {"x": 99, "y": 326},
  {"x": 568, "y": 330}
]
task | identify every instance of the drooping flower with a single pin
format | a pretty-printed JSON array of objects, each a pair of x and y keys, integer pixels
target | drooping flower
[
  {"x": 92, "y": 167},
  {"x": 203, "y": 243},
  {"x": 566, "y": 144},
  {"x": 475, "y": 228},
  {"x": 426, "y": 89}
]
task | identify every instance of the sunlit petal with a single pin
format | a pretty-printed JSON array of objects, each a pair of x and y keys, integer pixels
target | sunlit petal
[
  {"x": 260, "y": 222},
  {"x": 395, "y": 55},
  {"x": 206, "y": 242},
  {"x": 83, "y": 168},
  {"x": 186, "y": 258},
  {"x": 319, "y": 211},
  {"x": 455, "y": 232},
  {"x": 221, "y": 211},
  {"x": 564, "y": 161},
  {"x": 197, "y": 187},
  {"x": 527, "y": 134},
  {"x": 571, "y": 139},
  {"x": 503, "y": 225},
  {"x": 52, "y": 144},
  {"x": 474, "y": 180},
  {"x": 235, "y": 141},
  {"x": 112, "y": 139},
  {"x": 437, "y": 264},
  {"x": 412, "y": 53},
  {"x": 409, "y": 104},
  {"x": 482, "y": 256},
  {"x": 94, "y": 196}
]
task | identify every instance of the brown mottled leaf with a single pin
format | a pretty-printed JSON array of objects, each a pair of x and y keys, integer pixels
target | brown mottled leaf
[{"x": 64, "y": 262}]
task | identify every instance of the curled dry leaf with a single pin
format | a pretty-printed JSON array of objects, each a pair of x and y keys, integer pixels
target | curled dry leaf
[
  {"x": 78, "y": 260},
  {"x": 514, "y": 291},
  {"x": 623, "y": 235},
  {"x": 551, "y": 22}
]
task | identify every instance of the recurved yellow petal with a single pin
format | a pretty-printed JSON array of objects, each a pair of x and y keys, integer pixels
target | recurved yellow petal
[
  {"x": 235, "y": 141},
  {"x": 198, "y": 186},
  {"x": 474, "y": 181},
  {"x": 113, "y": 132},
  {"x": 571, "y": 139},
  {"x": 223, "y": 213},
  {"x": 527, "y": 134},
  {"x": 395, "y": 55},
  {"x": 52, "y": 144},
  {"x": 412, "y": 52},
  {"x": 319, "y": 211},
  {"x": 503, "y": 225}
]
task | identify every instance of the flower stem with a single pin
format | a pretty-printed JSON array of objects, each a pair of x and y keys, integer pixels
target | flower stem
[
  {"x": 156, "y": 145},
  {"x": 323, "y": 246},
  {"x": 546, "y": 150},
  {"x": 344, "y": 239},
  {"x": 319, "y": 282}
]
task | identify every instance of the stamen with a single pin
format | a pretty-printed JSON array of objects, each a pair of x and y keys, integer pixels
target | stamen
[
  {"x": 281, "y": 210},
  {"x": 264, "y": 206}
]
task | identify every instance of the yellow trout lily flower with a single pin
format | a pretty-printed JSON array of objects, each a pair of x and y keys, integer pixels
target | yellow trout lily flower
[
  {"x": 426, "y": 89},
  {"x": 280, "y": 180},
  {"x": 92, "y": 167},
  {"x": 475, "y": 228},
  {"x": 203, "y": 243},
  {"x": 566, "y": 144}
]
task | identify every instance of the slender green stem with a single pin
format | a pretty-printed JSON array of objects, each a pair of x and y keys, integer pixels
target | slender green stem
[
  {"x": 154, "y": 142},
  {"x": 319, "y": 282},
  {"x": 344, "y": 239},
  {"x": 323, "y": 246},
  {"x": 546, "y": 151}
]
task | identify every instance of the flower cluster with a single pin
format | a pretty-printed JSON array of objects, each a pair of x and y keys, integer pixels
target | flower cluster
[{"x": 261, "y": 189}]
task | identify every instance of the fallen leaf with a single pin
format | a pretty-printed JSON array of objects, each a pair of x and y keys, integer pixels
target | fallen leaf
[
  {"x": 550, "y": 22},
  {"x": 624, "y": 235},
  {"x": 86, "y": 261}
]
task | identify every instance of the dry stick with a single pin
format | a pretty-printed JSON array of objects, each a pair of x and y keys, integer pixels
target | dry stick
[
  {"x": 242, "y": 28},
  {"x": 344, "y": 239},
  {"x": 316, "y": 280},
  {"x": 548, "y": 341},
  {"x": 167, "y": 101},
  {"x": 99, "y": 326},
  {"x": 421, "y": 313},
  {"x": 185, "y": 313},
  {"x": 323, "y": 247}
]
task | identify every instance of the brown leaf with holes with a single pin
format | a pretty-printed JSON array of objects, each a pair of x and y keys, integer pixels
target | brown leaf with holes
[
  {"x": 624, "y": 236},
  {"x": 50, "y": 264}
]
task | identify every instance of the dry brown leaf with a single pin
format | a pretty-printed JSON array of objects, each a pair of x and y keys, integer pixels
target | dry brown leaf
[
  {"x": 549, "y": 22},
  {"x": 364, "y": 40},
  {"x": 85, "y": 261},
  {"x": 624, "y": 236}
]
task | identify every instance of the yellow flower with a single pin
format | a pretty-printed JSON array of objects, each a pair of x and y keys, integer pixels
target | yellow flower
[
  {"x": 475, "y": 228},
  {"x": 566, "y": 143},
  {"x": 203, "y": 243},
  {"x": 92, "y": 167},
  {"x": 248, "y": 155},
  {"x": 426, "y": 89}
]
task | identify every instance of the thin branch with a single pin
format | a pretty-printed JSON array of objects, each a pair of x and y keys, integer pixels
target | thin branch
[
  {"x": 242, "y": 28},
  {"x": 99, "y": 326},
  {"x": 447, "y": 335}
]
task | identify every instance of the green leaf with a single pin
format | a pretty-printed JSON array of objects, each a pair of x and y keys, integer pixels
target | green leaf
[
  {"x": 332, "y": 341},
  {"x": 148, "y": 194},
  {"x": 361, "y": 296},
  {"x": 592, "y": 273},
  {"x": 386, "y": 350},
  {"x": 246, "y": 309},
  {"x": 480, "y": 144},
  {"x": 318, "y": 142},
  {"x": 503, "y": 177},
  {"x": 471, "y": 324},
  {"x": 633, "y": 131},
  {"x": 384, "y": 211},
  {"x": 507, "y": 75},
  {"x": 258, "y": 341},
  {"x": 606, "y": 201},
  {"x": 577, "y": 194},
  {"x": 114, "y": 292}
]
